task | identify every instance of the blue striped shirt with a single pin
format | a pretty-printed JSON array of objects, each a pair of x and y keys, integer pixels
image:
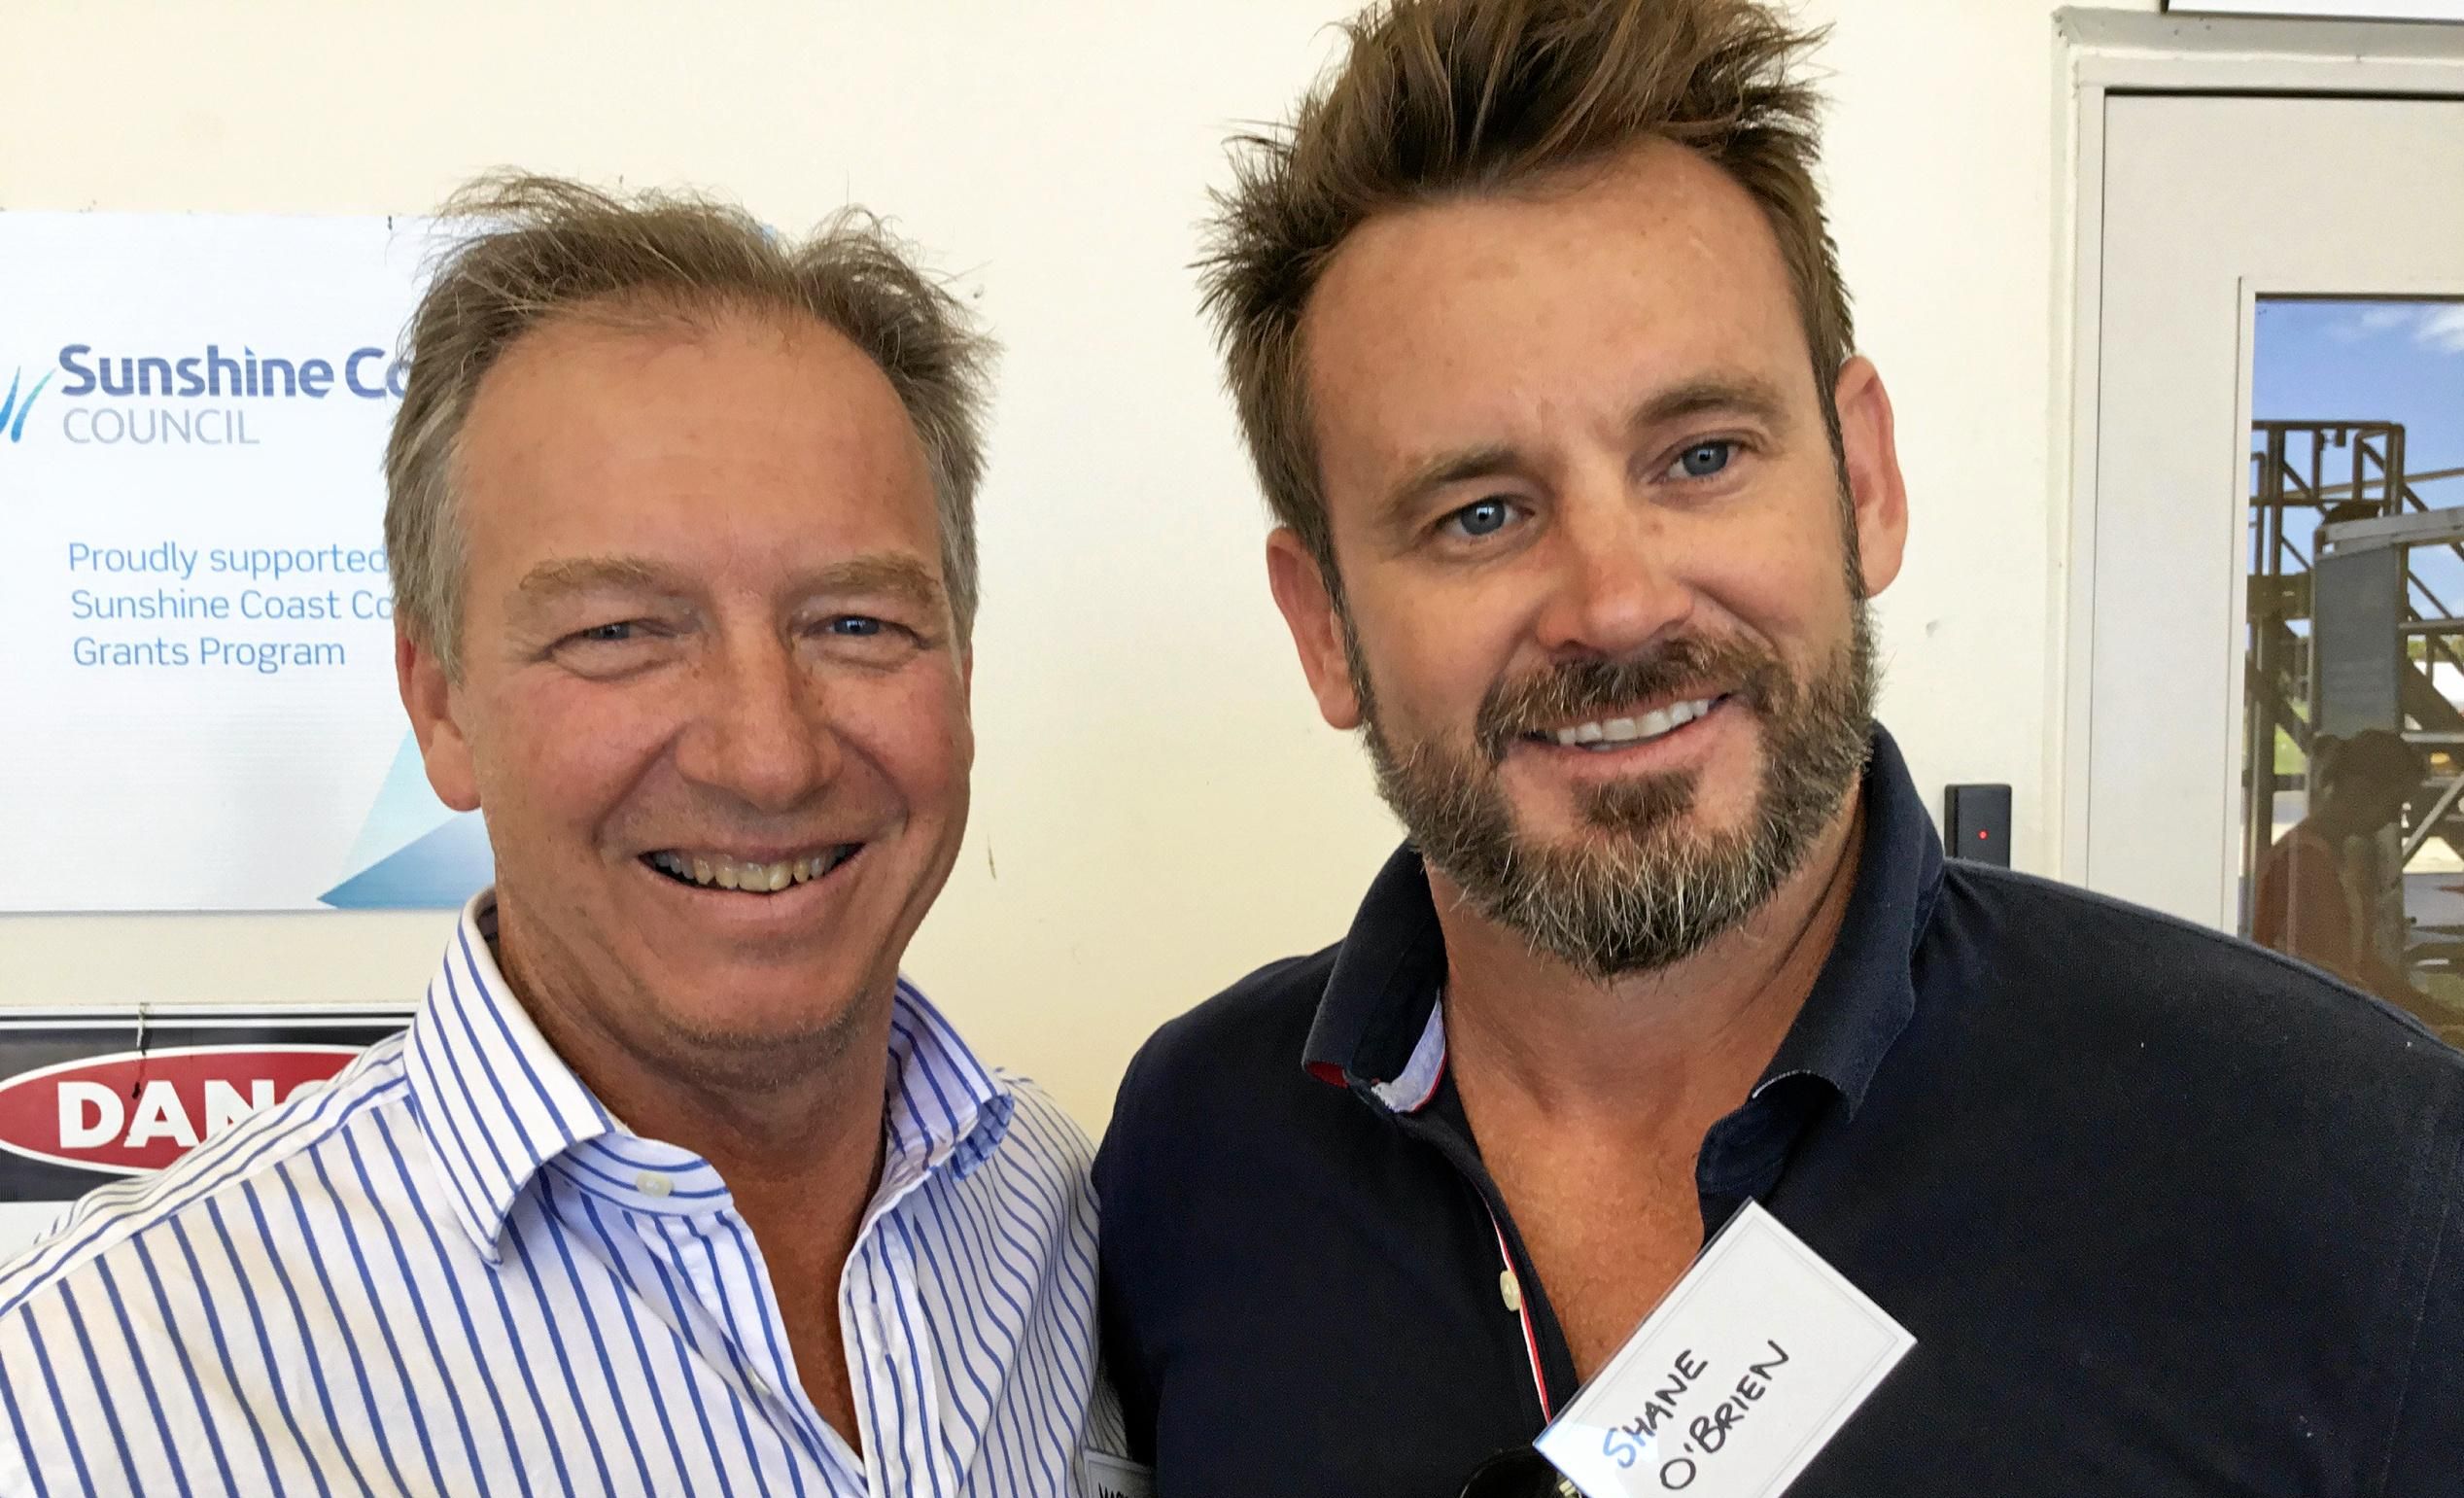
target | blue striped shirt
[{"x": 451, "y": 1271}]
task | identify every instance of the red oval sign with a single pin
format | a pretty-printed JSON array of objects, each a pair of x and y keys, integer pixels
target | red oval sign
[{"x": 139, "y": 1111}]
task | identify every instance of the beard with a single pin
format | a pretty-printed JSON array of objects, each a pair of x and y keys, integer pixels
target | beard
[{"x": 1635, "y": 888}]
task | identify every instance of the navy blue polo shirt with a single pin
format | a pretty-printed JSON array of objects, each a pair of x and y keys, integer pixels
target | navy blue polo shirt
[{"x": 2166, "y": 1212}]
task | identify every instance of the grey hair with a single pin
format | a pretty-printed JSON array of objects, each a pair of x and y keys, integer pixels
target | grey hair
[{"x": 551, "y": 247}]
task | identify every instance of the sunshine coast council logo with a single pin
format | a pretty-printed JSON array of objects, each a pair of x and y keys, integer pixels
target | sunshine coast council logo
[{"x": 13, "y": 408}]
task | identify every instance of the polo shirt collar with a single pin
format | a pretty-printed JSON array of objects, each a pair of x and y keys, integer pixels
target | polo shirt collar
[
  {"x": 1379, "y": 1028},
  {"x": 1867, "y": 991},
  {"x": 1381, "y": 996}
]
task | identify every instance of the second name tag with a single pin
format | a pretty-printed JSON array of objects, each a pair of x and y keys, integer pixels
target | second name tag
[{"x": 1747, "y": 1369}]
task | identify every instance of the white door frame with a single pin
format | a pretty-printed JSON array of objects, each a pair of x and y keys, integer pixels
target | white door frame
[{"x": 2102, "y": 53}]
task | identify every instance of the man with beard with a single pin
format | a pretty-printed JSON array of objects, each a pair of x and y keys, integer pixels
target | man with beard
[{"x": 1538, "y": 341}]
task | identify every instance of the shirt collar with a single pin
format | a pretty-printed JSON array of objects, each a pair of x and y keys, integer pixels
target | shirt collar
[
  {"x": 1382, "y": 998},
  {"x": 498, "y": 1105},
  {"x": 1867, "y": 991},
  {"x": 494, "y": 1099},
  {"x": 1379, "y": 1029},
  {"x": 945, "y": 1108}
]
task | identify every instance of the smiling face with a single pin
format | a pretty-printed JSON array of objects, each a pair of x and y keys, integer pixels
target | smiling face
[
  {"x": 1602, "y": 574},
  {"x": 712, "y": 703}
]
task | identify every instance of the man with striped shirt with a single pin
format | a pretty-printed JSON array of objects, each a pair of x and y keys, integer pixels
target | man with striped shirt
[{"x": 672, "y": 1185}]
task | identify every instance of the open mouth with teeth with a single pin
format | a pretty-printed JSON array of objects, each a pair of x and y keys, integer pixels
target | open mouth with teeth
[
  {"x": 718, "y": 871},
  {"x": 1601, "y": 736}
]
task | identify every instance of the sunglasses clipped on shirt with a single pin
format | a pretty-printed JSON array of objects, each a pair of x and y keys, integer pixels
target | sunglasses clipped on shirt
[{"x": 1523, "y": 1473}]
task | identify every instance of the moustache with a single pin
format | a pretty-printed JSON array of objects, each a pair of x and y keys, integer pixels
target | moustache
[{"x": 1598, "y": 688}]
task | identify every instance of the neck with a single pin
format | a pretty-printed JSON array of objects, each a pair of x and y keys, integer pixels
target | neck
[
  {"x": 1645, "y": 1050},
  {"x": 794, "y": 1130},
  {"x": 800, "y": 1160},
  {"x": 2337, "y": 820}
]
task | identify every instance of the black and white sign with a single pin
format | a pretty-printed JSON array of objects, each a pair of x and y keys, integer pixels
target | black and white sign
[{"x": 88, "y": 1096}]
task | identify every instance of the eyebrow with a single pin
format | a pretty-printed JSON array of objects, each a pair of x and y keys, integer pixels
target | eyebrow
[
  {"x": 1748, "y": 395},
  {"x": 899, "y": 575},
  {"x": 1745, "y": 394},
  {"x": 1488, "y": 461},
  {"x": 582, "y": 575}
]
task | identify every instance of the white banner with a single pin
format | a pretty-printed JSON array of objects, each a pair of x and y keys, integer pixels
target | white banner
[{"x": 192, "y": 579}]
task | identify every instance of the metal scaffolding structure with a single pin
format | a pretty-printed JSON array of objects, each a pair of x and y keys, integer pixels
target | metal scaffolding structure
[{"x": 2351, "y": 479}]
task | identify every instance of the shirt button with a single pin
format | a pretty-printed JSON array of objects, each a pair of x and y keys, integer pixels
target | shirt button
[
  {"x": 652, "y": 1184},
  {"x": 753, "y": 1382},
  {"x": 1510, "y": 1290}
]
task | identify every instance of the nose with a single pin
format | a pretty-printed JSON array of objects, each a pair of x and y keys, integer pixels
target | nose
[
  {"x": 762, "y": 733},
  {"x": 1618, "y": 578}
]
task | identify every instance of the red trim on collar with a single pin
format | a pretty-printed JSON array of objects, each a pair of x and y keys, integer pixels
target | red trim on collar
[{"x": 1523, "y": 1311}]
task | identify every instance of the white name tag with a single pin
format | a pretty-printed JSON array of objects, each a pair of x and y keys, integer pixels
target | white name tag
[
  {"x": 1109, "y": 1477},
  {"x": 1750, "y": 1364}
]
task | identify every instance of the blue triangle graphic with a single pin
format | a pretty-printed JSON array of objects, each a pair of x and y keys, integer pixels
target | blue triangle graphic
[
  {"x": 406, "y": 810},
  {"x": 439, "y": 871}
]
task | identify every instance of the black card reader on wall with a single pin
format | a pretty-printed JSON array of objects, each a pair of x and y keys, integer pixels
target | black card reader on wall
[{"x": 1976, "y": 823}]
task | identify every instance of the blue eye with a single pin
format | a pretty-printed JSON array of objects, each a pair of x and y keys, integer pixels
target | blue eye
[
  {"x": 1704, "y": 459},
  {"x": 854, "y": 626},
  {"x": 1487, "y": 518},
  {"x": 609, "y": 634}
]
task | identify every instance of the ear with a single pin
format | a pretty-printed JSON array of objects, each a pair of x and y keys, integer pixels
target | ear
[
  {"x": 1317, "y": 630},
  {"x": 1871, "y": 451},
  {"x": 429, "y": 697}
]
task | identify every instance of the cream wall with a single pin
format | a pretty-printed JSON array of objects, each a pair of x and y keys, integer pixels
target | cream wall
[{"x": 1157, "y": 808}]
